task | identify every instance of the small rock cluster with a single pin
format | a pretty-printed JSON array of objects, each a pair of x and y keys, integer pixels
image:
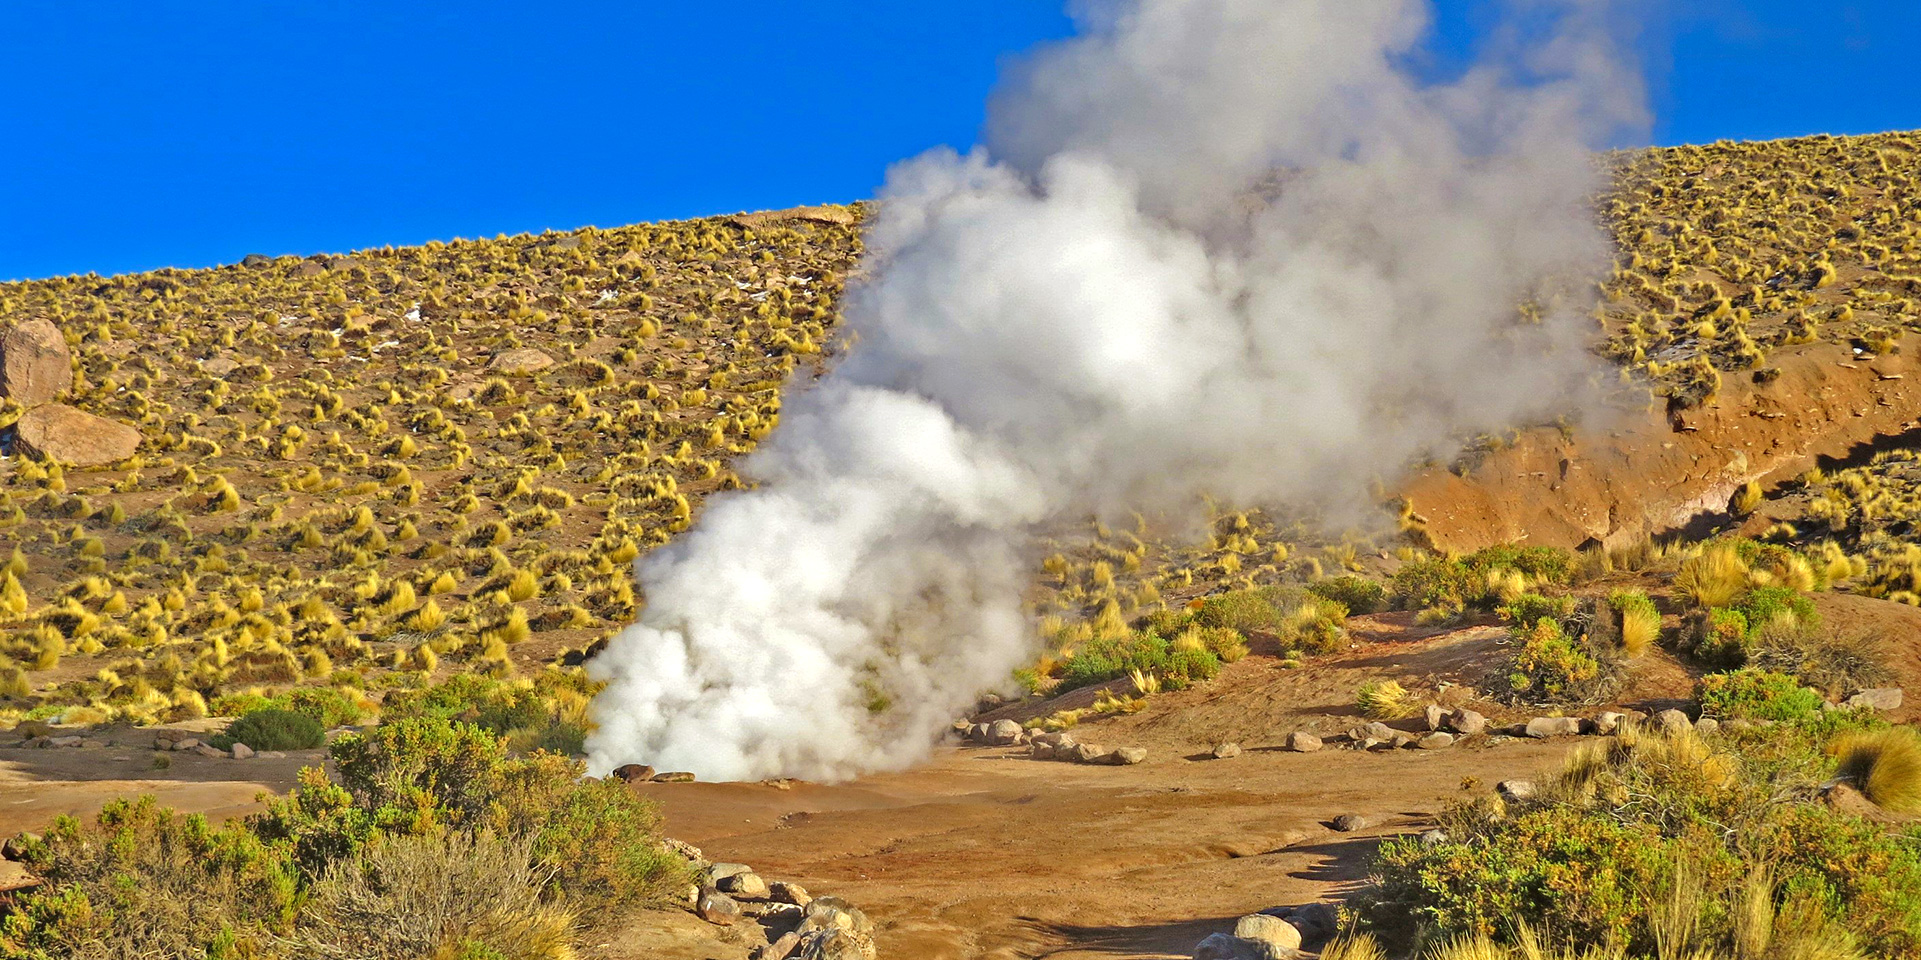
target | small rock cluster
[
  {"x": 35, "y": 368},
  {"x": 642, "y": 773},
  {"x": 810, "y": 927},
  {"x": 1048, "y": 746},
  {"x": 1274, "y": 934},
  {"x": 177, "y": 741}
]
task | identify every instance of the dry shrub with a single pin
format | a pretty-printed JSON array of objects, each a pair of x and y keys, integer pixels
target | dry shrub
[
  {"x": 1714, "y": 577},
  {"x": 1383, "y": 700},
  {"x": 1836, "y": 663},
  {"x": 1886, "y": 765},
  {"x": 411, "y": 897}
]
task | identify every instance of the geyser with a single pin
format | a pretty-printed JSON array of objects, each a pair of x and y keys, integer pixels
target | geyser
[{"x": 1235, "y": 247}]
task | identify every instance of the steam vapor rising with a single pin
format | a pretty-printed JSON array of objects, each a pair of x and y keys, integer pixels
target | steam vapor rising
[{"x": 1232, "y": 247}]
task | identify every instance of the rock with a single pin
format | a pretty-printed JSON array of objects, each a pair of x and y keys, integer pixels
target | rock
[
  {"x": 1350, "y": 822},
  {"x": 1467, "y": 722},
  {"x": 1284, "y": 937},
  {"x": 674, "y": 776},
  {"x": 255, "y": 260},
  {"x": 1673, "y": 721},
  {"x": 242, "y": 752},
  {"x": 310, "y": 270},
  {"x": 825, "y": 912},
  {"x": 977, "y": 733},
  {"x": 780, "y": 891},
  {"x": 717, "y": 908},
  {"x": 1436, "y": 716},
  {"x": 744, "y": 885},
  {"x": 1315, "y": 921},
  {"x": 1707, "y": 726},
  {"x": 834, "y": 215},
  {"x": 219, "y": 366},
  {"x": 1227, "y": 751},
  {"x": 780, "y": 949},
  {"x": 1379, "y": 732},
  {"x": 17, "y": 845},
  {"x": 1880, "y": 698},
  {"x": 1041, "y": 751},
  {"x": 33, "y": 728},
  {"x": 1002, "y": 733},
  {"x": 35, "y": 364},
  {"x": 1435, "y": 741},
  {"x": 1515, "y": 789},
  {"x": 1300, "y": 741},
  {"x": 72, "y": 740},
  {"x": 832, "y": 944},
  {"x": 1221, "y": 946},
  {"x": 55, "y": 431},
  {"x": 270, "y": 755},
  {"x": 1542, "y": 728},
  {"x": 207, "y": 751},
  {"x": 520, "y": 361},
  {"x": 716, "y": 872},
  {"x": 1087, "y": 753},
  {"x": 1607, "y": 722},
  {"x": 1433, "y": 838},
  {"x": 186, "y": 744},
  {"x": 634, "y": 772},
  {"x": 1125, "y": 756},
  {"x": 685, "y": 850}
]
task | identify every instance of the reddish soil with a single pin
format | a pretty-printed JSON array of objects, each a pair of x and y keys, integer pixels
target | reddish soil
[{"x": 1649, "y": 472}]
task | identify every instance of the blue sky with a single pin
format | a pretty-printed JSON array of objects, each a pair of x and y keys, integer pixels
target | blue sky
[{"x": 162, "y": 132}]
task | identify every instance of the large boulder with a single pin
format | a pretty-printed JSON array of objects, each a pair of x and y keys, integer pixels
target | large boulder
[
  {"x": 1300, "y": 741},
  {"x": 1880, "y": 698},
  {"x": 55, "y": 431},
  {"x": 1467, "y": 723},
  {"x": 35, "y": 364},
  {"x": 1003, "y": 733},
  {"x": 1542, "y": 728},
  {"x": 1222, "y": 946},
  {"x": 1283, "y": 936},
  {"x": 717, "y": 908}
]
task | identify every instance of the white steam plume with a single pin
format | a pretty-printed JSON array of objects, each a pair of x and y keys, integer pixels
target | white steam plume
[{"x": 1094, "y": 313}]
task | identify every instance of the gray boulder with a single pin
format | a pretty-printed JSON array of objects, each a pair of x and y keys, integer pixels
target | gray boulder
[
  {"x": 1542, "y": 728},
  {"x": 1003, "y": 733},
  {"x": 1435, "y": 741},
  {"x": 717, "y": 908},
  {"x": 1350, "y": 822},
  {"x": 1879, "y": 698},
  {"x": 1278, "y": 933},
  {"x": 1227, "y": 751},
  {"x": 1222, "y": 946},
  {"x": 1467, "y": 722},
  {"x": 1515, "y": 789},
  {"x": 1672, "y": 721}
]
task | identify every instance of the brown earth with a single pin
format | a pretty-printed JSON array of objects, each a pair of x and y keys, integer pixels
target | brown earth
[{"x": 1656, "y": 471}]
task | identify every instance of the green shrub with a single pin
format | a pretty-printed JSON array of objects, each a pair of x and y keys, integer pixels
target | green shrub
[
  {"x": 1552, "y": 666},
  {"x": 1241, "y": 610},
  {"x": 1769, "y": 606},
  {"x": 1104, "y": 659},
  {"x": 1357, "y": 594},
  {"x": 1529, "y": 608},
  {"x": 1757, "y": 695},
  {"x": 1316, "y": 626},
  {"x": 1544, "y": 564},
  {"x": 273, "y": 729},
  {"x": 1722, "y": 637},
  {"x": 239, "y": 704},
  {"x": 330, "y": 706},
  {"x": 1435, "y": 582}
]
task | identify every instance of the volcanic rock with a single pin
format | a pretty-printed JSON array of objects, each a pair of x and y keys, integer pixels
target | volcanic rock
[
  {"x": 1280, "y": 934},
  {"x": 1227, "y": 751},
  {"x": 55, "y": 431},
  {"x": 35, "y": 364},
  {"x": 519, "y": 361},
  {"x": 1880, "y": 698},
  {"x": 1350, "y": 822},
  {"x": 634, "y": 772},
  {"x": 1300, "y": 741}
]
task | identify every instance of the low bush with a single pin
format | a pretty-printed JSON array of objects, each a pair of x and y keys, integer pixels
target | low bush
[
  {"x": 1383, "y": 700},
  {"x": 1318, "y": 625},
  {"x": 273, "y": 729},
  {"x": 1721, "y": 637},
  {"x": 1540, "y": 564},
  {"x": 1243, "y": 610},
  {"x": 1529, "y": 608},
  {"x": 1103, "y": 659},
  {"x": 1554, "y": 667},
  {"x": 1836, "y": 663},
  {"x": 1430, "y": 583},
  {"x": 1757, "y": 695},
  {"x": 1357, "y": 595},
  {"x": 1779, "y": 607},
  {"x": 1640, "y": 620}
]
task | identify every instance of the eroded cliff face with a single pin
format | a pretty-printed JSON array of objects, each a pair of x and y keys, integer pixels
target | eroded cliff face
[{"x": 1646, "y": 473}]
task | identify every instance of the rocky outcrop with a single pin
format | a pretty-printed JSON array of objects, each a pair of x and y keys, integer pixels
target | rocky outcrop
[
  {"x": 520, "y": 362},
  {"x": 35, "y": 365},
  {"x": 55, "y": 431}
]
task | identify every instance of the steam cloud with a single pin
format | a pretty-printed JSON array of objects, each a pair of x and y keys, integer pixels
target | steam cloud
[{"x": 1233, "y": 247}]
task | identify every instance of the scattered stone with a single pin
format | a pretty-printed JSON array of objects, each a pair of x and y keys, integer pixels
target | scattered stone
[
  {"x": 780, "y": 891},
  {"x": 780, "y": 949},
  {"x": 1467, "y": 722},
  {"x": 207, "y": 751},
  {"x": 716, "y": 872},
  {"x": 1227, "y": 751},
  {"x": 717, "y": 908},
  {"x": 310, "y": 270},
  {"x": 1087, "y": 753},
  {"x": 1350, "y": 822},
  {"x": 55, "y": 431},
  {"x": 71, "y": 740},
  {"x": 1541, "y": 728},
  {"x": 685, "y": 850},
  {"x": 674, "y": 776},
  {"x": 1879, "y": 698},
  {"x": 219, "y": 366},
  {"x": 1003, "y": 733},
  {"x": 1435, "y": 741},
  {"x": 1300, "y": 741},
  {"x": 17, "y": 845},
  {"x": 831, "y": 944},
  {"x": 1436, "y": 716},
  {"x": 520, "y": 361},
  {"x": 242, "y": 752},
  {"x": 747, "y": 885},
  {"x": 271, "y": 755},
  {"x": 834, "y": 215},
  {"x": 1222, "y": 946},
  {"x": 1281, "y": 935},
  {"x": 1515, "y": 789},
  {"x": 1433, "y": 838},
  {"x": 1673, "y": 721},
  {"x": 1707, "y": 726},
  {"x": 634, "y": 772},
  {"x": 1124, "y": 756},
  {"x": 1607, "y": 722},
  {"x": 1315, "y": 921},
  {"x": 1041, "y": 751},
  {"x": 35, "y": 364}
]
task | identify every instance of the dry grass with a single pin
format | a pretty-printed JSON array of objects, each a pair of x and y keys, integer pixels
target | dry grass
[
  {"x": 1714, "y": 577},
  {"x": 1885, "y": 765}
]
